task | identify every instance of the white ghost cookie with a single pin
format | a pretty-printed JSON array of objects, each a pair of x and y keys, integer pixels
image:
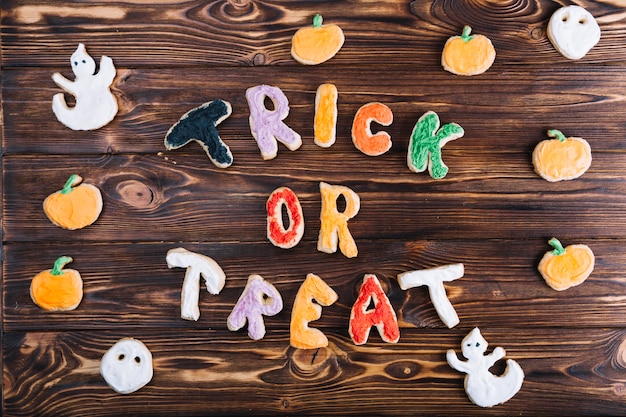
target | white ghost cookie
[
  {"x": 95, "y": 104},
  {"x": 482, "y": 387},
  {"x": 127, "y": 366},
  {"x": 573, "y": 31}
]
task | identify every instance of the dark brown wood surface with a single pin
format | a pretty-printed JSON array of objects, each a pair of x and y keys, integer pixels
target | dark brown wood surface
[{"x": 491, "y": 212}]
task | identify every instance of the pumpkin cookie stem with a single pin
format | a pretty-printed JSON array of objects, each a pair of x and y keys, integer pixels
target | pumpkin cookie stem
[
  {"x": 57, "y": 269},
  {"x": 317, "y": 20},
  {"x": 466, "y": 34},
  {"x": 558, "y": 247},
  {"x": 74, "y": 179},
  {"x": 553, "y": 133}
]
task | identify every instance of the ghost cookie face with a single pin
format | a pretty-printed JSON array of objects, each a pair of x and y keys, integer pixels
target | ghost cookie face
[
  {"x": 127, "y": 366},
  {"x": 573, "y": 31}
]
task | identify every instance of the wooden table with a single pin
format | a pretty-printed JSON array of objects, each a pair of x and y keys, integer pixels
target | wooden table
[{"x": 491, "y": 212}]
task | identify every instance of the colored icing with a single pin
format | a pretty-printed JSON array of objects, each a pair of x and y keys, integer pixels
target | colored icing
[
  {"x": 95, "y": 104},
  {"x": 563, "y": 268},
  {"x": 75, "y": 206},
  {"x": 426, "y": 143},
  {"x": 200, "y": 125},
  {"x": 259, "y": 298},
  {"x": 316, "y": 44},
  {"x": 382, "y": 316},
  {"x": 573, "y": 31},
  {"x": 434, "y": 278},
  {"x": 325, "y": 123},
  {"x": 334, "y": 225},
  {"x": 127, "y": 366},
  {"x": 196, "y": 265},
  {"x": 561, "y": 158},
  {"x": 57, "y": 289},
  {"x": 362, "y": 137},
  {"x": 301, "y": 336},
  {"x": 266, "y": 125},
  {"x": 276, "y": 232},
  {"x": 482, "y": 387},
  {"x": 468, "y": 54}
]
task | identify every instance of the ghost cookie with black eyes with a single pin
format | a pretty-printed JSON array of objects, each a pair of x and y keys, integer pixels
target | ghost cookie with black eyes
[
  {"x": 127, "y": 366},
  {"x": 573, "y": 31},
  {"x": 95, "y": 104}
]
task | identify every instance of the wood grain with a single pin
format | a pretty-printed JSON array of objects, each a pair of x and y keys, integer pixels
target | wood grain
[
  {"x": 506, "y": 110},
  {"x": 491, "y": 212},
  {"x": 276, "y": 379}
]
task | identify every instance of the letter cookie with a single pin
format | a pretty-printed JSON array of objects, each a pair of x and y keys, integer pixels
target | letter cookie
[
  {"x": 200, "y": 125},
  {"x": 316, "y": 44},
  {"x": 301, "y": 336},
  {"x": 561, "y": 158},
  {"x": 482, "y": 387},
  {"x": 362, "y": 137},
  {"x": 197, "y": 265},
  {"x": 426, "y": 143},
  {"x": 57, "y": 289},
  {"x": 75, "y": 206},
  {"x": 334, "y": 225},
  {"x": 95, "y": 104},
  {"x": 573, "y": 31},
  {"x": 276, "y": 232},
  {"x": 434, "y": 278},
  {"x": 567, "y": 267},
  {"x": 267, "y": 126},
  {"x": 382, "y": 316},
  {"x": 325, "y": 123},
  {"x": 258, "y": 298},
  {"x": 127, "y": 366},
  {"x": 468, "y": 54}
]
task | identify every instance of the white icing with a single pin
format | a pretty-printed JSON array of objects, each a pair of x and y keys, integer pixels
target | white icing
[
  {"x": 573, "y": 31},
  {"x": 482, "y": 387},
  {"x": 434, "y": 279},
  {"x": 196, "y": 265},
  {"x": 127, "y": 366},
  {"x": 95, "y": 104}
]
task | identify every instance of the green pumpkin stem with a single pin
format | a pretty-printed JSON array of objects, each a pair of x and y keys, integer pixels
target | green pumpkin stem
[
  {"x": 317, "y": 21},
  {"x": 466, "y": 34},
  {"x": 67, "y": 188},
  {"x": 59, "y": 264},
  {"x": 558, "y": 247},
  {"x": 553, "y": 133}
]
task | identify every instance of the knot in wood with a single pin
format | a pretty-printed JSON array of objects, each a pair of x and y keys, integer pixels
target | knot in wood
[
  {"x": 238, "y": 8},
  {"x": 403, "y": 370},
  {"x": 259, "y": 59},
  {"x": 311, "y": 363},
  {"x": 135, "y": 193}
]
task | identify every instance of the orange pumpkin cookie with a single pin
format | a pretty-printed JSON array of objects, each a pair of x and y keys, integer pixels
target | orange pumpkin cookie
[
  {"x": 561, "y": 158},
  {"x": 468, "y": 54},
  {"x": 75, "y": 206},
  {"x": 567, "y": 267},
  {"x": 316, "y": 44},
  {"x": 57, "y": 289}
]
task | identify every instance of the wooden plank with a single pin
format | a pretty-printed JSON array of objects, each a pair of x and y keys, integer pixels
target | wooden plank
[
  {"x": 507, "y": 111},
  {"x": 491, "y": 212},
  {"x": 247, "y": 33},
  {"x": 149, "y": 198},
  {"x": 130, "y": 285},
  {"x": 201, "y": 371}
]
